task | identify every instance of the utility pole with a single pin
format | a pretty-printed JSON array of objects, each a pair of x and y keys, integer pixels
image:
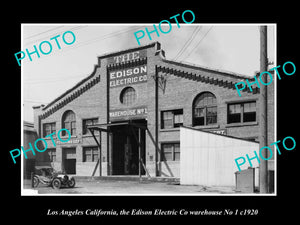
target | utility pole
[{"x": 263, "y": 140}]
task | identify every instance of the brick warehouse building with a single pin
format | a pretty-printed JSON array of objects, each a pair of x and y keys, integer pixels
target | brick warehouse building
[{"x": 131, "y": 108}]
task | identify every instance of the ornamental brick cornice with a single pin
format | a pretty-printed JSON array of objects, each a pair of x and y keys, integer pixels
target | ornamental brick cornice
[
  {"x": 62, "y": 101},
  {"x": 225, "y": 82}
]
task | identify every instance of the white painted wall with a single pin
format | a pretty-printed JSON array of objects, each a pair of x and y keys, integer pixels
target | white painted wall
[{"x": 209, "y": 159}]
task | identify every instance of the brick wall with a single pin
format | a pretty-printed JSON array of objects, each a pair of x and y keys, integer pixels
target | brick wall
[{"x": 179, "y": 93}]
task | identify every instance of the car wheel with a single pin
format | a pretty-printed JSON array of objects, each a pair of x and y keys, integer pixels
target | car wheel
[
  {"x": 71, "y": 182},
  {"x": 36, "y": 182},
  {"x": 56, "y": 183}
]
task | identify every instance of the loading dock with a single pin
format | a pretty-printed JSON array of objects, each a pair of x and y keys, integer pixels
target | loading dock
[{"x": 126, "y": 154}]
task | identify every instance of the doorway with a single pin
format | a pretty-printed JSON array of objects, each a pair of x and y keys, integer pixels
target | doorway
[
  {"x": 69, "y": 160},
  {"x": 125, "y": 148}
]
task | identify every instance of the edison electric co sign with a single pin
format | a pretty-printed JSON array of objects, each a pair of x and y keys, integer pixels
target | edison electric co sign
[{"x": 128, "y": 76}]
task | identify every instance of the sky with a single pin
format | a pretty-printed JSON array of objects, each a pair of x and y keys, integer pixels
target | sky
[{"x": 233, "y": 47}]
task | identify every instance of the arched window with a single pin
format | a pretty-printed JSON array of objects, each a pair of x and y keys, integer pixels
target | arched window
[
  {"x": 128, "y": 96},
  {"x": 205, "y": 109},
  {"x": 69, "y": 122}
]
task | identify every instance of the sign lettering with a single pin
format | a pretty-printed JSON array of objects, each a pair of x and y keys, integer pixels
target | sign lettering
[
  {"x": 134, "y": 112},
  {"x": 133, "y": 75},
  {"x": 219, "y": 131},
  {"x": 127, "y": 57}
]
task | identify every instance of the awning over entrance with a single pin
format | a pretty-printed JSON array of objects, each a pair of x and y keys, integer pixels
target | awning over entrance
[
  {"x": 127, "y": 150},
  {"x": 208, "y": 158},
  {"x": 106, "y": 126}
]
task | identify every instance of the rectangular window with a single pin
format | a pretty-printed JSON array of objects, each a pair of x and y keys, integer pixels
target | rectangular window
[
  {"x": 171, "y": 119},
  {"x": 249, "y": 112},
  {"x": 205, "y": 115},
  {"x": 49, "y": 128},
  {"x": 170, "y": 152},
  {"x": 87, "y": 122},
  {"x": 242, "y": 112},
  {"x": 90, "y": 154}
]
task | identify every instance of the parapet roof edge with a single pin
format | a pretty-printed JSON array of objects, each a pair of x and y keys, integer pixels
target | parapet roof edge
[
  {"x": 105, "y": 55},
  {"x": 195, "y": 66},
  {"x": 92, "y": 74}
]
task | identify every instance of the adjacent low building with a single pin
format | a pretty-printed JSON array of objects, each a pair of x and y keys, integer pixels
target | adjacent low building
[{"x": 125, "y": 117}]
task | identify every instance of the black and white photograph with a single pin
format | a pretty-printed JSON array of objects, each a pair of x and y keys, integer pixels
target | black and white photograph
[
  {"x": 149, "y": 113},
  {"x": 161, "y": 116}
]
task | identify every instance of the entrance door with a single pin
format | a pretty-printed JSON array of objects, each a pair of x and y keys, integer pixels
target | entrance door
[
  {"x": 69, "y": 160},
  {"x": 70, "y": 166},
  {"x": 125, "y": 151}
]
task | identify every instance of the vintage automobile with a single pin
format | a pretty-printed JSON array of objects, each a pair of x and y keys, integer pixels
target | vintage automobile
[{"x": 48, "y": 176}]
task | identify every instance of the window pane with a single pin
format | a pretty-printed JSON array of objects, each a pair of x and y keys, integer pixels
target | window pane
[
  {"x": 177, "y": 156},
  {"x": 87, "y": 151},
  {"x": 234, "y": 108},
  {"x": 167, "y": 152},
  {"x": 211, "y": 115},
  {"x": 88, "y": 122},
  {"x": 167, "y": 120},
  {"x": 250, "y": 107},
  {"x": 95, "y": 157},
  {"x": 168, "y": 124},
  {"x": 249, "y": 117},
  {"x": 177, "y": 147},
  {"x": 88, "y": 158},
  {"x": 168, "y": 156},
  {"x": 198, "y": 121},
  {"x": 68, "y": 126},
  {"x": 167, "y": 147},
  {"x": 234, "y": 113},
  {"x": 178, "y": 119},
  {"x": 168, "y": 115},
  {"x": 234, "y": 118},
  {"x": 199, "y": 112}
]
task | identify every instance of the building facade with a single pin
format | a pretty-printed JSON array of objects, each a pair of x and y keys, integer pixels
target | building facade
[{"x": 124, "y": 118}]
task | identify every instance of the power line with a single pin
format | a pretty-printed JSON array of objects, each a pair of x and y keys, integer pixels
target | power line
[
  {"x": 55, "y": 79},
  {"x": 34, "y": 35},
  {"x": 52, "y": 35},
  {"x": 188, "y": 42},
  {"x": 198, "y": 43},
  {"x": 106, "y": 36}
]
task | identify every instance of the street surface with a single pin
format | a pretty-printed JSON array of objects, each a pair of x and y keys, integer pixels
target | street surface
[{"x": 113, "y": 187}]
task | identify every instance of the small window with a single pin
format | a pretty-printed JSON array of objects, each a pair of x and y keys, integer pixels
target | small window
[
  {"x": 242, "y": 112},
  {"x": 205, "y": 109},
  {"x": 171, "y": 119},
  {"x": 49, "y": 128},
  {"x": 170, "y": 152},
  {"x": 128, "y": 96},
  {"x": 90, "y": 154},
  {"x": 87, "y": 122},
  {"x": 69, "y": 122}
]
